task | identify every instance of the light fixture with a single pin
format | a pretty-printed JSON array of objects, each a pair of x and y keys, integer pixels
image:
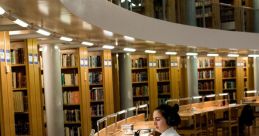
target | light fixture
[
  {"x": 128, "y": 38},
  {"x": 139, "y": 4},
  {"x": 43, "y": 32},
  {"x": 233, "y": 55},
  {"x": 68, "y": 39},
  {"x": 14, "y": 32},
  {"x": 133, "y": 5},
  {"x": 87, "y": 43},
  {"x": 170, "y": 53},
  {"x": 209, "y": 96},
  {"x": 150, "y": 51},
  {"x": 129, "y": 49},
  {"x": 253, "y": 55},
  {"x": 107, "y": 33},
  {"x": 108, "y": 47},
  {"x": 212, "y": 55},
  {"x": 191, "y": 54},
  {"x": 223, "y": 94},
  {"x": 197, "y": 97},
  {"x": 21, "y": 23},
  {"x": 2, "y": 11}
]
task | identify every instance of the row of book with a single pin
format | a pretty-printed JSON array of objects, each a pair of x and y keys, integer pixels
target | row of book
[
  {"x": 229, "y": 73},
  {"x": 68, "y": 60},
  {"x": 22, "y": 127},
  {"x": 229, "y": 63},
  {"x": 95, "y": 61},
  {"x": 69, "y": 79},
  {"x": 19, "y": 80},
  {"x": 96, "y": 94},
  {"x": 206, "y": 85},
  {"x": 71, "y": 97},
  {"x": 162, "y": 63},
  {"x": 72, "y": 115},
  {"x": 206, "y": 62},
  {"x": 163, "y": 88},
  {"x": 139, "y": 63},
  {"x": 140, "y": 90},
  {"x": 95, "y": 77},
  {"x": 20, "y": 102},
  {"x": 73, "y": 131},
  {"x": 97, "y": 110},
  {"x": 203, "y": 13},
  {"x": 229, "y": 84},
  {"x": 17, "y": 56},
  {"x": 205, "y": 74},
  {"x": 162, "y": 75},
  {"x": 139, "y": 76}
]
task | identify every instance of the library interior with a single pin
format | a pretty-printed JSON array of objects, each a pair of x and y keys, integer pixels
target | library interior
[{"x": 129, "y": 67}]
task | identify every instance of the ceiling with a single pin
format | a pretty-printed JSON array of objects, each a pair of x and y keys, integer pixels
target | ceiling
[{"x": 52, "y": 16}]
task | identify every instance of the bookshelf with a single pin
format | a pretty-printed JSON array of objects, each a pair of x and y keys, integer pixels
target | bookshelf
[
  {"x": 206, "y": 75},
  {"x": 26, "y": 87},
  {"x": 100, "y": 85}
]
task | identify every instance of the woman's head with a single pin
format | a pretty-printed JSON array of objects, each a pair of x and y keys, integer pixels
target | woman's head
[{"x": 166, "y": 116}]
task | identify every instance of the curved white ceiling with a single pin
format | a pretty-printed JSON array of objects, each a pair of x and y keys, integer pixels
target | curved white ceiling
[{"x": 116, "y": 19}]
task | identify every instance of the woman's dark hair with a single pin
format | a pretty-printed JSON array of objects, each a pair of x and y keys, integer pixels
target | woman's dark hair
[{"x": 170, "y": 114}]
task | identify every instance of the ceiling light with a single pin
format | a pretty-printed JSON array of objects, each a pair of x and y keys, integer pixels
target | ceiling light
[
  {"x": 152, "y": 42},
  {"x": 129, "y": 0},
  {"x": 2, "y": 11},
  {"x": 14, "y": 32},
  {"x": 170, "y": 53},
  {"x": 191, "y": 54},
  {"x": 21, "y": 23},
  {"x": 233, "y": 55},
  {"x": 139, "y": 4},
  {"x": 253, "y": 55},
  {"x": 107, "y": 33},
  {"x": 133, "y": 5},
  {"x": 108, "y": 47},
  {"x": 66, "y": 39},
  {"x": 122, "y": 1},
  {"x": 43, "y": 32},
  {"x": 212, "y": 54},
  {"x": 128, "y": 38},
  {"x": 87, "y": 43},
  {"x": 129, "y": 49},
  {"x": 150, "y": 51}
]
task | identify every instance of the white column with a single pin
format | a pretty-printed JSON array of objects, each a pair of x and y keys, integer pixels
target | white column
[
  {"x": 53, "y": 90},
  {"x": 192, "y": 76}
]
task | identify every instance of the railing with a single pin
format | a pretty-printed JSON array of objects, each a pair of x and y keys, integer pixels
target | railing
[{"x": 207, "y": 14}]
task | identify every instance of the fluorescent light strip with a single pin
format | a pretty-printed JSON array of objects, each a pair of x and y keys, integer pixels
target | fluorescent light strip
[
  {"x": 43, "y": 32},
  {"x": 14, "y": 32},
  {"x": 191, "y": 54},
  {"x": 107, "y": 33},
  {"x": 2, "y": 11},
  {"x": 209, "y": 96},
  {"x": 87, "y": 43},
  {"x": 170, "y": 53},
  {"x": 108, "y": 47},
  {"x": 212, "y": 54},
  {"x": 150, "y": 51},
  {"x": 223, "y": 94},
  {"x": 253, "y": 55},
  {"x": 129, "y": 49},
  {"x": 251, "y": 91},
  {"x": 128, "y": 38},
  {"x": 66, "y": 39},
  {"x": 197, "y": 97},
  {"x": 233, "y": 55},
  {"x": 21, "y": 23}
]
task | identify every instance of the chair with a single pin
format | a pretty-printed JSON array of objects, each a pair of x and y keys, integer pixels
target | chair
[
  {"x": 143, "y": 106},
  {"x": 191, "y": 127},
  {"x": 250, "y": 93},
  {"x": 101, "y": 123},
  {"x": 172, "y": 102},
  {"x": 185, "y": 101},
  {"x": 132, "y": 111},
  {"x": 210, "y": 97},
  {"x": 197, "y": 99},
  {"x": 111, "y": 123}
]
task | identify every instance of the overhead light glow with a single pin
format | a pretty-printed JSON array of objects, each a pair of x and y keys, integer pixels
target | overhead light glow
[
  {"x": 191, "y": 54},
  {"x": 14, "y": 32},
  {"x": 170, "y": 53},
  {"x": 233, "y": 55},
  {"x": 128, "y": 38},
  {"x": 107, "y": 33},
  {"x": 152, "y": 42},
  {"x": 133, "y": 5},
  {"x": 108, "y": 47},
  {"x": 253, "y": 55},
  {"x": 21, "y": 23},
  {"x": 43, "y": 32},
  {"x": 66, "y": 39},
  {"x": 129, "y": 49},
  {"x": 212, "y": 55},
  {"x": 150, "y": 51},
  {"x": 2, "y": 11},
  {"x": 197, "y": 97},
  {"x": 87, "y": 43},
  {"x": 122, "y": 1}
]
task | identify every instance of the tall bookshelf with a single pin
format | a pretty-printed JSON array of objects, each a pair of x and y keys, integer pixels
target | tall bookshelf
[
  {"x": 206, "y": 75},
  {"x": 100, "y": 85},
  {"x": 26, "y": 88}
]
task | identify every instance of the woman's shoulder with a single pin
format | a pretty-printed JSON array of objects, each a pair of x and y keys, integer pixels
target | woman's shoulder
[{"x": 170, "y": 132}]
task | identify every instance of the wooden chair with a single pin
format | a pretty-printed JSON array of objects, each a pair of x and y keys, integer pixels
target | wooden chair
[
  {"x": 191, "y": 126},
  {"x": 145, "y": 107}
]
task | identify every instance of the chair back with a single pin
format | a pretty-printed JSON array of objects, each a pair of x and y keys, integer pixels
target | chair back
[
  {"x": 143, "y": 107},
  {"x": 209, "y": 97},
  {"x": 251, "y": 93},
  {"x": 101, "y": 123}
]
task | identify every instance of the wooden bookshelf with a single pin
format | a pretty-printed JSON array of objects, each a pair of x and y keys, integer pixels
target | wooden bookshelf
[{"x": 26, "y": 87}]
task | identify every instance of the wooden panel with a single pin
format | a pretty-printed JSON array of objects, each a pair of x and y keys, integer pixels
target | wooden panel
[
  {"x": 171, "y": 11},
  {"x": 215, "y": 14},
  {"x": 250, "y": 74},
  {"x": 175, "y": 78},
  {"x": 240, "y": 79},
  {"x": 6, "y": 96},
  {"x": 183, "y": 78},
  {"x": 218, "y": 76},
  {"x": 116, "y": 82},
  {"x": 149, "y": 8}
]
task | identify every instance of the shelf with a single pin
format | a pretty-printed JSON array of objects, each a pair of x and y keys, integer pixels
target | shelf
[
  {"x": 96, "y": 116},
  {"x": 163, "y": 68},
  {"x": 229, "y": 67},
  {"x": 205, "y": 68},
  {"x": 71, "y": 105},
  {"x": 140, "y": 96},
  {"x": 144, "y": 82},
  {"x": 203, "y": 5},
  {"x": 70, "y": 86},
  {"x": 18, "y": 65},
  {"x": 164, "y": 94},
  {"x": 95, "y": 84},
  {"x": 229, "y": 89},
  {"x": 22, "y": 113},
  {"x": 143, "y": 68},
  {"x": 64, "y": 68},
  {"x": 229, "y": 78},
  {"x": 206, "y": 91},
  {"x": 19, "y": 89},
  {"x": 72, "y": 123},
  {"x": 164, "y": 81},
  {"x": 95, "y": 68},
  {"x": 97, "y": 101},
  {"x": 206, "y": 79}
]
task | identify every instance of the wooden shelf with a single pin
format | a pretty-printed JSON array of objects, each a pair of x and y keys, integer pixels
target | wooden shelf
[
  {"x": 143, "y": 68},
  {"x": 229, "y": 78},
  {"x": 72, "y": 123},
  {"x": 70, "y": 86},
  {"x": 96, "y": 116},
  {"x": 229, "y": 89},
  {"x": 144, "y": 82},
  {"x": 206, "y": 79},
  {"x": 163, "y": 68},
  {"x": 19, "y": 89},
  {"x": 18, "y": 65},
  {"x": 164, "y": 81},
  {"x": 95, "y": 84},
  {"x": 95, "y": 68},
  {"x": 205, "y": 68},
  {"x": 23, "y": 113},
  {"x": 164, "y": 94},
  {"x": 206, "y": 90},
  {"x": 64, "y": 68},
  {"x": 71, "y": 105},
  {"x": 228, "y": 67},
  {"x": 140, "y": 96},
  {"x": 97, "y": 101}
]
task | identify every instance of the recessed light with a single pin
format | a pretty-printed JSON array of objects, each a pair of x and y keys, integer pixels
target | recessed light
[
  {"x": 170, "y": 53},
  {"x": 191, "y": 54},
  {"x": 21, "y": 23},
  {"x": 128, "y": 38},
  {"x": 129, "y": 49},
  {"x": 43, "y": 32},
  {"x": 2, "y": 11},
  {"x": 150, "y": 51},
  {"x": 87, "y": 43},
  {"x": 68, "y": 39},
  {"x": 108, "y": 47},
  {"x": 233, "y": 55},
  {"x": 253, "y": 55},
  {"x": 212, "y": 54},
  {"x": 107, "y": 33}
]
